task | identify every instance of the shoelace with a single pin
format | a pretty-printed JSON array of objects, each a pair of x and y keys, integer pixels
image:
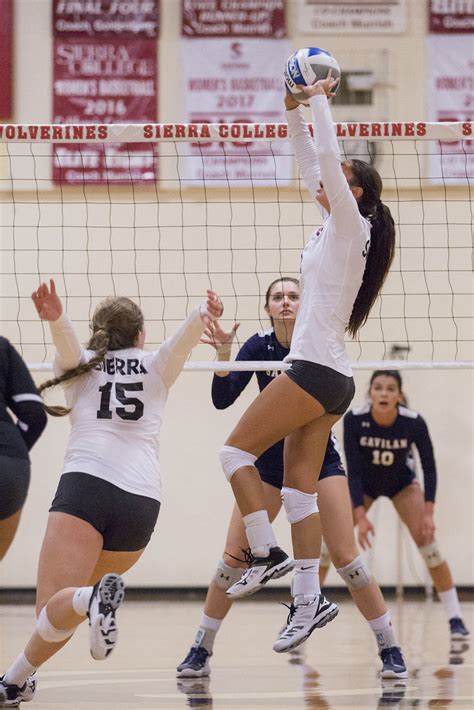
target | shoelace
[
  {"x": 248, "y": 557},
  {"x": 292, "y": 609},
  {"x": 198, "y": 653}
]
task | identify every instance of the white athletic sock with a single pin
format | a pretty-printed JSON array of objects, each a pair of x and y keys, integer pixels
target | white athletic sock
[
  {"x": 19, "y": 671},
  {"x": 450, "y": 603},
  {"x": 259, "y": 533},
  {"x": 383, "y": 631},
  {"x": 305, "y": 582},
  {"x": 81, "y": 600},
  {"x": 207, "y": 631}
]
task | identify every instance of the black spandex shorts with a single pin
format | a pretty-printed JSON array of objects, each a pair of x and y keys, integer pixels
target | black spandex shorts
[
  {"x": 390, "y": 489},
  {"x": 126, "y": 521},
  {"x": 332, "y": 389},
  {"x": 14, "y": 482}
]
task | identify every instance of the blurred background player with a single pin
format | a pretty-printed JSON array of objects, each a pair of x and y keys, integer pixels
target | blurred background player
[{"x": 18, "y": 394}]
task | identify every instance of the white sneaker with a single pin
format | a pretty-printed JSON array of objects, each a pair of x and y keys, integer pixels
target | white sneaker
[
  {"x": 12, "y": 695},
  {"x": 260, "y": 571},
  {"x": 106, "y": 598},
  {"x": 302, "y": 620}
]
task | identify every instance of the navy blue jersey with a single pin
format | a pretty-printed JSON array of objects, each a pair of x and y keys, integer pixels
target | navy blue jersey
[
  {"x": 18, "y": 394},
  {"x": 225, "y": 390},
  {"x": 378, "y": 458}
]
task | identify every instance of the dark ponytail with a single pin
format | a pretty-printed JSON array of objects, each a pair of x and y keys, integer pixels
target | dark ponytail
[{"x": 382, "y": 241}]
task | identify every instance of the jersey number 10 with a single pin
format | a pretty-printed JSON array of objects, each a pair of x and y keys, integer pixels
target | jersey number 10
[{"x": 121, "y": 390}]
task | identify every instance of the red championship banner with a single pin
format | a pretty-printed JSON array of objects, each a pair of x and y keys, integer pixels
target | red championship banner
[
  {"x": 6, "y": 58},
  {"x": 232, "y": 68},
  {"x": 450, "y": 64},
  {"x": 105, "y": 71},
  {"x": 451, "y": 16}
]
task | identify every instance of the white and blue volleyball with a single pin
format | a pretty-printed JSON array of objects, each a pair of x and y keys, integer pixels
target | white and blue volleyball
[{"x": 307, "y": 66}]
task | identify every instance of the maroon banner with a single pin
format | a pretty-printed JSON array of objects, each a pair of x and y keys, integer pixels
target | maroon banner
[
  {"x": 105, "y": 18},
  {"x": 239, "y": 18},
  {"x": 6, "y": 58},
  {"x": 448, "y": 16},
  {"x": 104, "y": 81}
]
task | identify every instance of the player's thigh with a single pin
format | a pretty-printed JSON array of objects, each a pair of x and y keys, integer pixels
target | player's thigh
[
  {"x": 114, "y": 561},
  {"x": 69, "y": 554},
  {"x": 304, "y": 453},
  {"x": 337, "y": 525},
  {"x": 409, "y": 504},
  {"x": 236, "y": 540},
  {"x": 8, "y": 528},
  {"x": 279, "y": 409}
]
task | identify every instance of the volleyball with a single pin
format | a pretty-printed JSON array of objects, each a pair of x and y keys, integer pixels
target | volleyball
[{"x": 305, "y": 66}]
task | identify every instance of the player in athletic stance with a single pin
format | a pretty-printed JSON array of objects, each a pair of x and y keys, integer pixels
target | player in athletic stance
[
  {"x": 343, "y": 268},
  {"x": 378, "y": 442},
  {"x": 108, "y": 498},
  {"x": 281, "y": 304},
  {"x": 18, "y": 394}
]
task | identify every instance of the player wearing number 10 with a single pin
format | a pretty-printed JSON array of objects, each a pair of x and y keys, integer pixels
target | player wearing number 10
[{"x": 108, "y": 498}]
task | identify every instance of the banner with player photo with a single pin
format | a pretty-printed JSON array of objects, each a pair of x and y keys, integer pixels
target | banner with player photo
[
  {"x": 105, "y": 71},
  {"x": 6, "y": 59},
  {"x": 450, "y": 91},
  {"x": 232, "y": 72},
  {"x": 351, "y": 16}
]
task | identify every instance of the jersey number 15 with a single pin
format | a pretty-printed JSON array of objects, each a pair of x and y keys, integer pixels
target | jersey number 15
[{"x": 121, "y": 390}]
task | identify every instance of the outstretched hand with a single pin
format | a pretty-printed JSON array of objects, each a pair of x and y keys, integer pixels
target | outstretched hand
[
  {"x": 364, "y": 530},
  {"x": 323, "y": 87},
  {"x": 47, "y": 302},
  {"x": 214, "y": 308},
  {"x": 218, "y": 338}
]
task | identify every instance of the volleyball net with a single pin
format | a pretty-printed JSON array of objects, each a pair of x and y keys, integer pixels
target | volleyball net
[{"x": 160, "y": 213}]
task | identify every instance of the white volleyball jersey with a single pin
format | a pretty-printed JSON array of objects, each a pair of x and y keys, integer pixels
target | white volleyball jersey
[
  {"x": 333, "y": 261},
  {"x": 117, "y": 410}
]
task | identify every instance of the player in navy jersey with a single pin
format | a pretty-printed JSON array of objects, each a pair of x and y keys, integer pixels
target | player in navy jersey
[
  {"x": 108, "y": 498},
  {"x": 18, "y": 394},
  {"x": 343, "y": 268},
  {"x": 378, "y": 440},
  {"x": 281, "y": 305}
]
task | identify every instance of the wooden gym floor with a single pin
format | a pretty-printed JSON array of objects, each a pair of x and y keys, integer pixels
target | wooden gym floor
[{"x": 339, "y": 670}]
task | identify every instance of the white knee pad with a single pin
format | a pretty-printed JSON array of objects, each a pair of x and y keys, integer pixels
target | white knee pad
[
  {"x": 298, "y": 505},
  {"x": 225, "y": 576},
  {"x": 232, "y": 459},
  {"x": 324, "y": 558},
  {"x": 356, "y": 574},
  {"x": 431, "y": 555},
  {"x": 48, "y": 633}
]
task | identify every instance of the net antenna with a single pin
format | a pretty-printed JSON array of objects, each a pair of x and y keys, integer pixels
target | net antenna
[{"x": 188, "y": 207}]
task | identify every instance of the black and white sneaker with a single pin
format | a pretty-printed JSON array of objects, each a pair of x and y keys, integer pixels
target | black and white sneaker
[
  {"x": 106, "y": 598},
  {"x": 12, "y": 695},
  {"x": 196, "y": 663},
  {"x": 393, "y": 663},
  {"x": 260, "y": 571},
  {"x": 302, "y": 620},
  {"x": 458, "y": 629}
]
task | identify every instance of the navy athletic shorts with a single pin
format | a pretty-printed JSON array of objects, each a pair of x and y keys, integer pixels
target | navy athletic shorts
[
  {"x": 332, "y": 389},
  {"x": 388, "y": 488},
  {"x": 14, "y": 482},
  {"x": 126, "y": 521},
  {"x": 271, "y": 470}
]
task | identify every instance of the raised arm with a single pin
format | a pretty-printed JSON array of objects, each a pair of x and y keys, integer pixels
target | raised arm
[
  {"x": 169, "y": 360},
  {"x": 304, "y": 147},
  {"x": 344, "y": 209},
  {"x": 69, "y": 352}
]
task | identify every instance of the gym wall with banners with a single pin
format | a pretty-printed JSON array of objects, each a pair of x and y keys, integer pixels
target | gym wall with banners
[
  {"x": 105, "y": 71},
  {"x": 450, "y": 82},
  {"x": 232, "y": 72}
]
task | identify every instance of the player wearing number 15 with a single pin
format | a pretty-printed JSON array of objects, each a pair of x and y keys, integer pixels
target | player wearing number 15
[{"x": 108, "y": 498}]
